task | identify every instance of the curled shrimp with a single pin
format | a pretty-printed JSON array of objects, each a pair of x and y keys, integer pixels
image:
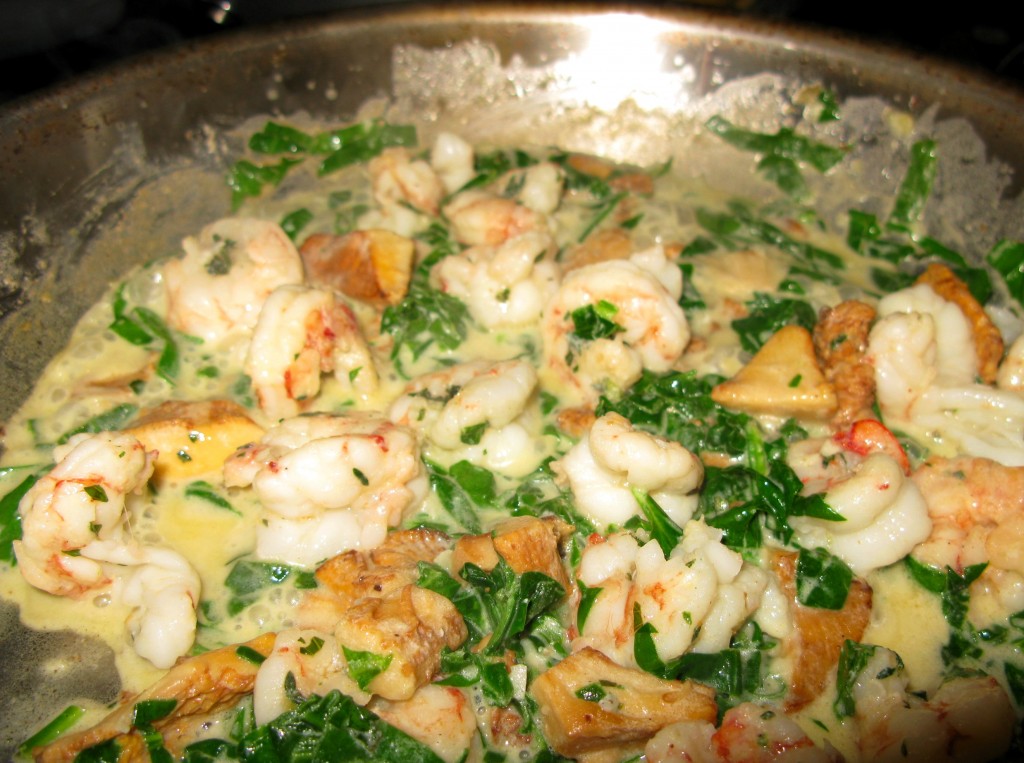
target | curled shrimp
[
  {"x": 217, "y": 288},
  {"x": 883, "y": 513},
  {"x": 440, "y": 717},
  {"x": 302, "y": 333},
  {"x": 612, "y": 458},
  {"x": 74, "y": 540},
  {"x": 925, "y": 363},
  {"x": 397, "y": 178},
  {"x": 506, "y": 285},
  {"x": 478, "y": 217},
  {"x": 701, "y": 582},
  {"x": 328, "y": 484},
  {"x": 639, "y": 296},
  {"x": 477, "y": 408},
  {"x": 977, "y": 511}
]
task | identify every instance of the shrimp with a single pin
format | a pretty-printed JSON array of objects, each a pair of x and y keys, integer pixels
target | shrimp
[
  {"x": 314, "y": 659},
  {"x": 81, "y": 501},
  {"x": 74, "y": 540},
  {"x": 1010, "y": 375},
  {"x": 452, "y": 160},
  {"x": 164, "y": 591},
  {"x": 884, "y": 515},
  {"x": 613, "y": 458},
  {"x": 966, "y": 719},
  {"x": 440, "y": 717},
  {"x": 977, "y": 511},
  {"x": 701, "y": 582},
  {"x": 923, "y": 353},
  {"x": 477, "y": 408},
  {"x": 217, "y": 288},
  {"x": 478, "y": 217},
  {"x": 649, "y": 328},
  {"x": 507, "y": 285},
  {"x": 398, "y": 179},
  {"x": 329, "y": 484},
  {"x": 537, "y": 187},
  {"x": 749, "y": 733},
  {"x": 303, "y": 332}
]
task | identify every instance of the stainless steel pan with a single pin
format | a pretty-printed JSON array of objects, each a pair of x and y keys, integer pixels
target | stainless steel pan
[{"x": 115, "y": 168}]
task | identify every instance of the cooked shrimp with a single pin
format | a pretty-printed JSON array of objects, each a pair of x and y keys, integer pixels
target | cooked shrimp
[
  {"x": 74, "y": 540},
  {"x": 302, "y": 333},
  {"x": 328, "y": 484},
  {"x": 652, "y": 331},
  {"x": 977, "y": 511},
  {"x": 925, "y": 367},
  {"x": 81, "y": 501},
  {"x": 966, "y": 720},
  {"x": 397, "y": 178},
  {"x": 613, "y": 458},
  {"x": 217, "y": 288},
  {"x": 450, "y": 406},
  {"x": 749, "y": 733},
  {"x": 1011, "y": 371},
  {"x": 164, "y": 591},
  {"x": 507, "y": 285},
  {"x": 701, "y": 582},
  {"x": 884, "y": 515},
  {"x": 539, "y": 186},
  {"x": 440, "y": 717},
  {"x": 478, "y": 217},
  {"x": 313, "y": 659},
  {"x": 452, "y": 160}
]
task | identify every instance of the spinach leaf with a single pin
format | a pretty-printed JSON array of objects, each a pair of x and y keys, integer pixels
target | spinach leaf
[
  {"x": 661, "y": 526},
  {"x": 475, "y": 480},
  {"x": 276, "y": 138},
  {"x": 781, "y": 153},
  {"x": 108, "y": 421},
  {"x": 206, "y": 492},
  {"x": 601, "y": 210},
  {"x": 678, "y": 406},
  {"x": 359, "y": 143},
  {"x": 363, "y": 667},
  {"x": 64, "y": 721},
  {"x": 248, "y": 180},
  {"x": 916, "y": 187},
  {"x": 453, "y": 497},
  {"x": 1007, "y": 258},
  {"x": 853, "y": 658},
  {"x": 247, "y": 579},
  {"x": 767, "y": 314},
  {"x": 331, "y": 728},
  {"x": 293, "y": 223},
  {"x": 424, "y": 317},
  {"x": 822, "y": 580},
  {"x": 596, "y": 321},
  {"x": 489, "y": 166},
  {"x": 10, "y": 520}
]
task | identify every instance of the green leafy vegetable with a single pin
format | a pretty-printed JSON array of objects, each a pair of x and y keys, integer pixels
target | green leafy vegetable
[
  {"x": 662, "y": 528},
  {"x": 453, "y": 497},
  {"x": 96, "y": 493},
  {"x": 477, "y": 481},
  {"x": 781, "y": 153},
  {"x": 206, "y": 492},
  {"x": 108, "y": 421},
  {"x": 1007, "y": 258},
  {"x": 916, "y": 187},
  {"x": 853, "y": 658},
  {"x": 10, "y": 520},
  {"x": 361, "y": 142},
  {"x": 424, "y": 317},
  {"x": 601, "y": 210},
  {"x": 363, "y": 667},
  {"x": 767, "y": 314},
  {"x": 247, "y": 579},
  {"x": 248, "y": 180},
  {"x": 822, "y": 580},
  {"x": 293, "y": 223},
  {"x": 67, "y": 718},
  {"x": 596, "y": 321},
  {"x": 249, "y": 654},
  {"x": 588, "y": 595}
]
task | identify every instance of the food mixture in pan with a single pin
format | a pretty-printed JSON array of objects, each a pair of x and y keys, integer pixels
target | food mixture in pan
[{"x": 478, "y": 454}]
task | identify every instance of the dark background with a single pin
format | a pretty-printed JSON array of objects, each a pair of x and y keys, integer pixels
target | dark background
[{"x": 43, "y": 42}]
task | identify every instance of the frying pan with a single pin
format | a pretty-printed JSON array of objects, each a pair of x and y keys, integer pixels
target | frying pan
[{"x": 114, "y": 169}]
